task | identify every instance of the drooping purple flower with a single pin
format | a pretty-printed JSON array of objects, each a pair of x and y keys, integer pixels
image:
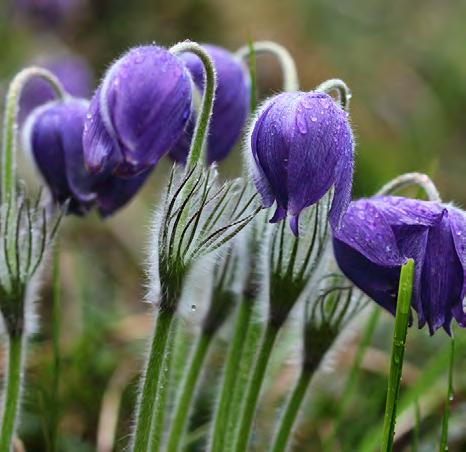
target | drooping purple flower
[
  {"x": 138, "y": 112},
  {"x": 231, "y": 104},
  {"x": 301, "y": 146},
  {"x": 72, "y": 71},
  {"x": 53, "y": 136},
  {"x": 378, "y": 235}
]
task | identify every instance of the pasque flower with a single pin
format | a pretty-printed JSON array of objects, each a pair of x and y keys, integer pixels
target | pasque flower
[
  {"x": 231, "y": 104},
  {"x": 378, "y": 235},
  {"x": 53, "y": 135},
  {"x": 73, "y": 73},
  {"x": 301, "y": 146},
  {"x": 138, "y": 112}
]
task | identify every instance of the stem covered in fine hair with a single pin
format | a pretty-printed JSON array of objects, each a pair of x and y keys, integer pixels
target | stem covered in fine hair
[
  {"x": 403, "y": 309},
  {"x": 196, "y": 152},
  {"x": 11, "y": 391}
]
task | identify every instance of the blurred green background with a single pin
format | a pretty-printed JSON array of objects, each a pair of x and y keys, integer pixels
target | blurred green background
[{"x": 404, "y": 62}]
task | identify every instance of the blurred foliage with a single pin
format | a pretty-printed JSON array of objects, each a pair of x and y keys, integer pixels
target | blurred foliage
[{"x": 404, "y": 62}]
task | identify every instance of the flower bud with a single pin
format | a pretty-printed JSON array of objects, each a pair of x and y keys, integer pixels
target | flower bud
[
  {"x": 378, "y": 235},
  {"x": 301, "y": 146},
  {"x": 231, "y": 104},
  {"x": 138, "y": 112},
  {"x": 53, "y": 136}
]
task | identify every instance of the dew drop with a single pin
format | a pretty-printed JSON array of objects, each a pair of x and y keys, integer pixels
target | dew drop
[
  {"x": 313, "y": 118},
  {"x": 193, "y": 307}
]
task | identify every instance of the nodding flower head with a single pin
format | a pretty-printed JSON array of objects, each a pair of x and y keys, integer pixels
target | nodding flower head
[
  {"x": 72, "y": 71},
  {"x": 301, "y": 146},
  {"x": 138, "y": 112},
  {"x": 231, "y": 104},
  {"x": 378, "y": 235},
  {"x": 53, "y": 136}
]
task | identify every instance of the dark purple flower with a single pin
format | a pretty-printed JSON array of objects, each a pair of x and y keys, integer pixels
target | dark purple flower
[
  {"x": 302, "y": 145},
  {"x": 53, "y": 136},
  {"x": 231, "y": 104},
  {"x": 72, "y": 71},
  {"x": 378, "y": 235},
  {"x": 138, "y": 113}
]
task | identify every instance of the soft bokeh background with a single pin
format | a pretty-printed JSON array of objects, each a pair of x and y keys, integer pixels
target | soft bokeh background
[{"x": 404, "y": 62}]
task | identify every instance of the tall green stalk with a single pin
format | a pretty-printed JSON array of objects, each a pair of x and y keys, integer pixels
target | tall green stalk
[
  {"x": 152, "y": 373},
  {"x": 11, "y": 391},
  {"x": 188, "y": 387},
  {"x": 449, "y": 398},
  {"x": 291, "y": 412},
  {"x": 220, "y": 423},
  {"x": 403, "y": 307},
  {"x": 253, "y": 391}
]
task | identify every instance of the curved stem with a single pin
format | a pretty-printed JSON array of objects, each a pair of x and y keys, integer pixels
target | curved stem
[
  {"x": 8, "y": 160},
  {"x": 150, "y": 378},
  {"x": 210, "y": 85},
  {"x": 289, "y": 71},
  {"x": 408, "y": 179},
  {"x": 403, "y": 309},
  {"x": 253, "y": 390},
  {"x": 185, "y": 397},
  {"x": 291, "y": 412},
  {"x": 220, "y": 422},
  {"x": 335, "y": 84},
  {"x": 12, "y": 391}
]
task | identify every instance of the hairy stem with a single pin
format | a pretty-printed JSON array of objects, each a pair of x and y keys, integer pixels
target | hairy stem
[
  {"x": 196, "y": 153},
  {"x": 11, "y": 391},
  {"x": 291, "y": 412},
  {"x": 220, "y": 423},
  {"x": 188, "y": 386},
  {"x": 289, "y": 71},
  {"x": 253, "y": 391},
  {"x": 408, "y": 179},
  {"x": 150, "y": 379},
  {"x": 335, "y": 84},
  {"x": 403, "y": 309}
]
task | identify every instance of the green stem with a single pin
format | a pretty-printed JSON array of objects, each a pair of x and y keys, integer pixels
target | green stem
[
  {"x": 254, "y": 388},
  {"x": 291, "y": 412},
  {"x": 253, "y": 78},
  {"x": 185, "y": 397},
  {"x": 210, "y": 86},
  {"x": 8, "y": 160},
  {"x": 289, "y": 71},
  {"x": 158, "y": 414},
  {"x": 417, "y": 426},
  {"x": 334, "y": 84},
  {"x": 151, "y": 378},
  {"x": 351, "y": 381},
  {"x": 408, "y": 179},
  {"x": 446, "y": 413},
  {"x": 56, "y": 331},
  {"x": 220, "y": 422},
  {"x": 12, "y": 392},
  {"x": 403, "y": 308}
]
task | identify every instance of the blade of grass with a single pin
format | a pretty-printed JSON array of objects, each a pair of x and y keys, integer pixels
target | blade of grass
[{"x": 446, "y": 413}]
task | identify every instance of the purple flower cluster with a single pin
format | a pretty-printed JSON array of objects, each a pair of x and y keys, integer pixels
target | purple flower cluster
[{"x": 378, "y": 235}]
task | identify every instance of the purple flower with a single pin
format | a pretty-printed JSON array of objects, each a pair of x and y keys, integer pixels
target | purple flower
[
  {"x": 231, "y": 104},
  {"x": 378, "y": 235},
  {"x": 53, "y": 136},
  {"x": 302, "y": 145},
  {"x": 138, "y": 113},
  {"x": 72, "y": 71}
]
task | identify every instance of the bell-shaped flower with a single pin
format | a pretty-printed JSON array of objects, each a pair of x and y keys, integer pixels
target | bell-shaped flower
[
  {"x": 53, "y": 137},
  {"x": 231, "y": 104},
  {"x": 138, "y": 112},
  {"x": 378, "y": 235},
  {"x": 301, "y": 146}
]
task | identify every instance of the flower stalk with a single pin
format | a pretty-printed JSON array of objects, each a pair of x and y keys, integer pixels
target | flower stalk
[
  {"x": 403, "y": 309},
  {"x": 446, "y": 414}
]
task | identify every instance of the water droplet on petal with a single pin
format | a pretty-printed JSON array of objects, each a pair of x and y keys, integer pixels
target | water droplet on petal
[{"x": 193, "y": 307}]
